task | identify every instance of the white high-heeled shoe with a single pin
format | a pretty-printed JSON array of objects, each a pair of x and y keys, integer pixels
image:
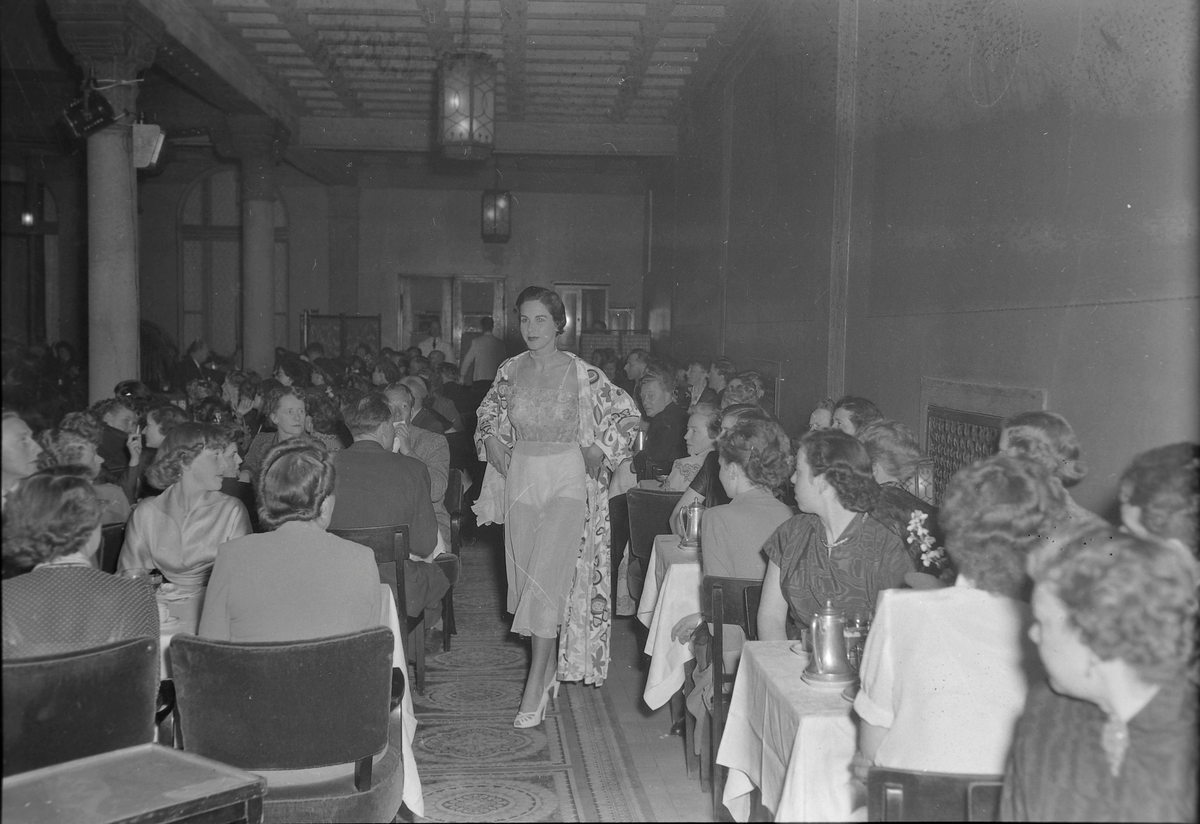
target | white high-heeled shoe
[{"x": 525, "y": 720}]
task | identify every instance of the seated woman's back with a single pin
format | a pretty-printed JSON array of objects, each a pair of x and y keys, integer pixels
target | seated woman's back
[{"x": 732, "y": 535}]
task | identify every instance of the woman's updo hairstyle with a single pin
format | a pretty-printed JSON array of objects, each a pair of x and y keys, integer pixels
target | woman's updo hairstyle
[
  {"x": 844, "y": 463},
  {"x": 50, "y": 514},
  {"x": 167, "y": 416},
  {"x": 213, "y": 410},
  {"x": 711, "y": 416},
  {"x": 737, "y": 412},
  {"x": 1048, "y": 439},
  {"x": 180, "y": 448},
  {"x": 993, "y": 513},
  {"x": 296, "y": 478},
  {"x": 891, "y": 446},
  {"x": 547, "y": 298},
  {"x": 761, "y": 449}
]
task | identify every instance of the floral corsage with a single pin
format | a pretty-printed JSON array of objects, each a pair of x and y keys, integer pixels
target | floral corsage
[{"x": 932, "y": 558}]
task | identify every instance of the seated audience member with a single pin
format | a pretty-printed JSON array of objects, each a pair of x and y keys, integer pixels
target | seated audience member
[
  {"x": 945, "y": 671},
  {"x": 822, "y": 416},
  {"x": 326, "y": 420},
  {"x": 436, "y": 359},
  {"x": 1160, "y": 494},
  {"x": 178, "y": 532},
  {"x": 706, "y": 486},
  {"x": 294, "y": 581},
  {"x": 1113, "y": 736},
  {"x": 290, "y": 370},
  {"x": 424, "y": 416},
  {"x": 894, "y": 458},
  {"x": 427, "y": 447},
  {"x": 720, "y": 373},
  {"x": 385, "y": 372},
  {"x": 65, "y": 447},
  {"x": 286, "y": 409},
  {"x": 160, "y": 420},
  {"x": 417, "y": 365},
  {"x": 136, "y": 395},
  {"x": 20, "y": 453},
  {"x": 703, "y": 426},
  {"x": 377, "y": 487},
  {"x": 636, "y": 363},
  {"x": 667, "y": 423},
  {"x": 242, "y": 390},
  {"x": 52, "y": 527},
  {"x": 191, "y": 365},
  {"x": 235, "y": 481},
  {"x": 120, "y": 445},
  {"x": 851, "y": 414},
  {"x": 834, "y": 550},
  {"x": 1048, "y": 439},
  {"x": 439, "y": 403},
  {"x": 199, "y": 390},
  {"x": 697, "y": 384},
  {"x": 744, "y": 387}
]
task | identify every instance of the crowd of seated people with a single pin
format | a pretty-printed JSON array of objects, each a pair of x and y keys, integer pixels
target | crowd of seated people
[{"x": 1012, "y": 630}]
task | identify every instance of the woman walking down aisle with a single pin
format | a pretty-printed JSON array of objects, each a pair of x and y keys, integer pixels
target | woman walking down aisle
[{"x": 554, "y": 428}]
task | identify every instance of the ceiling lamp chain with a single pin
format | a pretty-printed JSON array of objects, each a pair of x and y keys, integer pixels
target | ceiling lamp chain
[{"x": 467, "y": 116}]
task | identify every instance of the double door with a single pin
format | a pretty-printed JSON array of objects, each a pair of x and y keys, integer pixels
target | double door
[{"x": 457, "y": 304}]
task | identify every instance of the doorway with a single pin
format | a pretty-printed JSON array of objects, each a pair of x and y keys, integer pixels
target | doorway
[{"x": 457, "y": 304}]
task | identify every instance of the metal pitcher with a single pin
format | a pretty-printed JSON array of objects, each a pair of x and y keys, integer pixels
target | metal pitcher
[
  {"x": 689, "y": 524},
  {"x": 828, "y": 663}
]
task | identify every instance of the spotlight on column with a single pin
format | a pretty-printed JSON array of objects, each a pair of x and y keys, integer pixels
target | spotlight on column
[
  {"x": 88, "y": 114},
  {"x": 147, "y": 145}
]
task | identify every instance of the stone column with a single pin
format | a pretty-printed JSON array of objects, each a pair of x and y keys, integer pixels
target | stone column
[
  {"x": 258, "y": 143},
  {"x": 343, "y": 249},
  {"x": 112, "y": 42}
]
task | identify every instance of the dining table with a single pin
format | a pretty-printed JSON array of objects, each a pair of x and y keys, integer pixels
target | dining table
[
  {"x": 184, "y": 606},
  {"x": 792, "y": 740},
  {"x": 671, "y": 592}
]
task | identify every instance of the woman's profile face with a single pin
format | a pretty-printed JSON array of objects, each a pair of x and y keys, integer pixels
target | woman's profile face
[
  {"x": 820, "y": 419},
  {"x": 843, "y": 420},
  {"x": 1066, "y": 658},
  {"x": 233, "y": 461},
  {"x": 696, "y": 437},
  {"x": 538, "y": 328},
  {"x": 804, "y": 484},
  {"x": 89, "y": 458},
  {"x": 289, "y": 416},
  {"x": 696, "y": 375},
  {"x": 726, "y": 474},
  {"x": 207, "y": 469},
  {"x": 283, "y": 377},
  {"x": 154, "y": 434}
]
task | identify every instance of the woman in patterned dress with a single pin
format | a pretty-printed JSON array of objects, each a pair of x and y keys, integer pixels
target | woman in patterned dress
[{"x": 554, "y": 428}]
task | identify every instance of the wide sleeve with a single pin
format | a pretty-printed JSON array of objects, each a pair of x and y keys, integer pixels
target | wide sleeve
[
  {"x": 493, "y": 412},
  {"x": 237, "y": 519},
  {"x": 135, "y": 553},
  {"x": 608, "y": 416}
]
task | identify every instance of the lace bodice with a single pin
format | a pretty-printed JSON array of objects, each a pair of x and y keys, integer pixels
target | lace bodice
[{"x": 544, "y": 415}]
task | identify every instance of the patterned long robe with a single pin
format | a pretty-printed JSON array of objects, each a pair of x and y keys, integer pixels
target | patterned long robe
[{"x": 608, "y": 418}]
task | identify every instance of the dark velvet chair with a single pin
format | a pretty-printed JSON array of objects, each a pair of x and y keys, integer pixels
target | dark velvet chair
[
  {"x": 61, "y": 707},
  {"x": 649, "y": 516},
  {"x": 725, "y": 601},
  {"x": 320, "y": 705},
  {"x": 904, "y": 795},
  {"x": 112, "y": 538}
]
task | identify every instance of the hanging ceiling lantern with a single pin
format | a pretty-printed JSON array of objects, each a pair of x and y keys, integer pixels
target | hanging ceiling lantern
[
  {"x": 467, "y": 123},
  {"x": 496, "y": 216}
]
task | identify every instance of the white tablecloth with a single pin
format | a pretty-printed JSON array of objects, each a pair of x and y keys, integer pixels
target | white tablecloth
[
  {"x": 671, "y": 592},
  {"x": 791, "y": 740},
  {"x": 187, "y": 611}
]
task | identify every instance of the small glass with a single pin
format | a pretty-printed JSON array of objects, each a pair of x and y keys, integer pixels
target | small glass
[
  {"x": 150, "y": 577},
  {"x": 855, "y": 630}
]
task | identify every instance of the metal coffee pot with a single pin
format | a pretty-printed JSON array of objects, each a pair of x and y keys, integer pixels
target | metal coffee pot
[
  {"x": 689, "y": 524},
  {"x": 829, "y": 664}
]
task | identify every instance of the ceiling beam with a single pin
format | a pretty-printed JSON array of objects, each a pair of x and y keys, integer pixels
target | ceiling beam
[
  {"x": 295, "y": 20},
  {"x": 513, "y": 31},
  {"x": 634, "y": 71},
  {"x": 195, "y": 35},
  {"x": 321, "y": 167},
  {"x": 380, "y": 134}
]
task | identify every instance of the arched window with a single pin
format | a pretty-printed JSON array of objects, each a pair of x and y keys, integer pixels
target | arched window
[{"x": 210, "y": 263}]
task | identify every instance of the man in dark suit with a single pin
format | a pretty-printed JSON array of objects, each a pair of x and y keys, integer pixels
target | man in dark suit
[
  {"x": 666, "y": 423},
  {"x": 377, "y": 487}
]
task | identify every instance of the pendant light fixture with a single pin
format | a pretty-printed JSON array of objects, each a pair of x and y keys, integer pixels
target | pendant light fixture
[{"x": 467, "y": 113}]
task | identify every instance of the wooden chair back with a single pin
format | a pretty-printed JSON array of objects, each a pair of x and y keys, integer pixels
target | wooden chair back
[
  {"x": 62, "y": 707},
  {"x": 285, "y": 705},
  {"x": 390, "y": 545},
  {"x": 649, "y": 516},
  {"x": 904, "y": 795}
]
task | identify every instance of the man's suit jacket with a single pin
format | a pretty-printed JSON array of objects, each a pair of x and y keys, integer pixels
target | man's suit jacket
[
  {"x": 664, "y": 440},
  {"x": 376, "y": 487}
]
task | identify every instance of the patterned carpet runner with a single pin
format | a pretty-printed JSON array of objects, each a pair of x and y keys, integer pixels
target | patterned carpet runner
[{"x": 475, "y": 766}]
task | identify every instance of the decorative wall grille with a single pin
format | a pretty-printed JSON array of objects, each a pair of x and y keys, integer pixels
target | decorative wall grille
[
  {"x": 340, "y": 334},
  {"x": 954, "y": 439}
]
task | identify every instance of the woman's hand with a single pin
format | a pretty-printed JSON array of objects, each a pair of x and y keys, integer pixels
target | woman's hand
[
  {"x": 684, "y": 627},
  {"x": 593, "y": 459},
  {"x": 498, "y": 455},
  {"x": 134, "y": 444}
]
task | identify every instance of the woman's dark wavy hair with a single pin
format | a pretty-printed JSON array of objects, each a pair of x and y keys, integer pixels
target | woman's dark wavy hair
[
  {"x": 547, "y": 298},
  {"x": 1129, "y": 598},
  {"x": 862, "y": 411},
  {"x": 50, "y": 514},
  {"x": 63, "y": 447},
  {"x": 86, "y": 423},
  {"x": 845, "y": 465},
  {"x": 180, "y": 448},
  {"x": 213, "y": 410},
  {"x": 296, "y": 478},
  {"x": 994, "y": 512},
  {"x": 1165, "y": 484},
  {"x": 762, "y": 449},
  {"x": 323, "y": 411},
  {"x": 1048, "y": 439},
  {"x": 167, "y": 416}
]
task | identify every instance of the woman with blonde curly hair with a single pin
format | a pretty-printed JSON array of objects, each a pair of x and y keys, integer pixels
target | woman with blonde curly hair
[
  {"x": 178, "y": 532},
  {"x": 1048, "y": 439},
  {"x": 52, "y": 527},
  {"x": 66, "y": 447},
  {"x": 1113, "y": 735}
]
